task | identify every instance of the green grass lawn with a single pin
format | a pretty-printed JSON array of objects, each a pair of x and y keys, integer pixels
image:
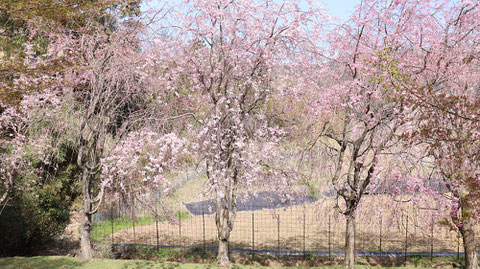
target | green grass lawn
[
  {"x": 103, "y": 229},
  {"x": 50, "y": 262}
]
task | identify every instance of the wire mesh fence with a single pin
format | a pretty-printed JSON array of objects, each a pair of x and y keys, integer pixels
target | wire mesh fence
[{"x": 295, "y": 229}]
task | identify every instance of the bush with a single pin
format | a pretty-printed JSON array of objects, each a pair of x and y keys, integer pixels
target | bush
[{"x": 36, "y": 216}]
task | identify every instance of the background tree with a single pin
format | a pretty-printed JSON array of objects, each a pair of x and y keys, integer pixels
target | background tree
[
  {"x": 39, "y": 163},
  {"x": 429, "y": 60},
  {"x": 103, "y": 92},
  {"x": 139, "y": 165},
  {"x": 30, "y": 37},
  {"x": 361, "y": 118},
  {"x": 440, "y": 63},
  {"x": 35, "y": 54},
  {"x": 108, "y": 100},
  {"x": 233, "y": 56}
]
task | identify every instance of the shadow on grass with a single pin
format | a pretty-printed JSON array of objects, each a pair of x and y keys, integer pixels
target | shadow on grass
[
  {"x": 41, "y": 262},
  {"x": 149, "y": 264}
]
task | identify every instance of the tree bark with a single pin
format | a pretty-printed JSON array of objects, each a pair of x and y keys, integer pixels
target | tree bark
[
  {"x": 86, "y": 224},
  {"x": 469, "y": 244},
  {"x": 350, "y": 242},
  {"x": 222, "y": 257},
  {"x": 85, "y": 242},
  {"x": 222, "y": 218}
]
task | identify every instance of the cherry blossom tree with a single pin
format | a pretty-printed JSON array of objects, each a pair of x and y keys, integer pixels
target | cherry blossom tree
[
  {"x": 34, "y": 55},
  {"x": 29, "y": 31},
  {"x": 233, "y": 56},
  {"x": 429, "y": 60},
  {"x": 361, "y": 119},
  {"x": 11, "y": 124},
  {"x": 139, "y": 164},
  {"x": 103, "y": 94},
  {"x": 108, "y": 101},
  {"x": 39, "y": 173},
  {"x": 441, "y": 66}
]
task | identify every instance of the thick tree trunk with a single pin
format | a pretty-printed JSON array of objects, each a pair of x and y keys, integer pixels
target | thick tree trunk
[
  {"x": 85, "y": 242},
  {"x": 223, "y": 221},
  {"x": 469, "y": 244},
  {"x": 86, "y": 224},
  {"x": 350, "y": 242},
  {"x": 222, "y": 257}
]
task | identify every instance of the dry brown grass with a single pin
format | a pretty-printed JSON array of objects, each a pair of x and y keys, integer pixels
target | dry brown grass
[{"x": 307, "y": 226}]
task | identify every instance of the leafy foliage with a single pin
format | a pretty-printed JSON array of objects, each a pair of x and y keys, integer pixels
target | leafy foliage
[{"x": 40, "y": 214}]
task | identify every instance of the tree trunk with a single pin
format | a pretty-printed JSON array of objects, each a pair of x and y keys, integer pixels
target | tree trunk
[
  {"x": 350, "y": 242},
  {"x": 222, "y": 216},
  {"x": 469, "y": 244},
  {"x": 222, "y": 257},
  {"x": 86, "y": 224},
  {"x": 85, "y": 242}
]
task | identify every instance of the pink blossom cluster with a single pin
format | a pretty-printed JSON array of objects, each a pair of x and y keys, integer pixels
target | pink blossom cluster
[{"x": 141, "y": 162}]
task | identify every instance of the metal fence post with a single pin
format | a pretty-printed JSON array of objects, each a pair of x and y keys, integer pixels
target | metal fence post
[
  {"x": 112, "y": 220},
  {"x": 406, "y": 238},
  {"x": 278, "y": 233},
  {"x": 381, "y": 252},
  {"x": 360, "y": 241},
  {"x": 458, "y": 246},
  {"x": 304, "y": 220},
  {"x": 431, "y": 242},
  {"x": 180, "y": 228},
  {"x": 329, "y": 238},
  {"x": 203, "y": 224},
  {"x": 415, "y": 228},
  {"x": 134, "y": 237},
  {"x": 156, "y": 227},
  {"x": 253, "y": 234},
  {"x": 133, "y": 223}
]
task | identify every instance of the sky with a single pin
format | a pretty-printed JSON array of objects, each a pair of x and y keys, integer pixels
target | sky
[
  {"x": 337, "y": 8},
  {"x": 341, "y": 8}
]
